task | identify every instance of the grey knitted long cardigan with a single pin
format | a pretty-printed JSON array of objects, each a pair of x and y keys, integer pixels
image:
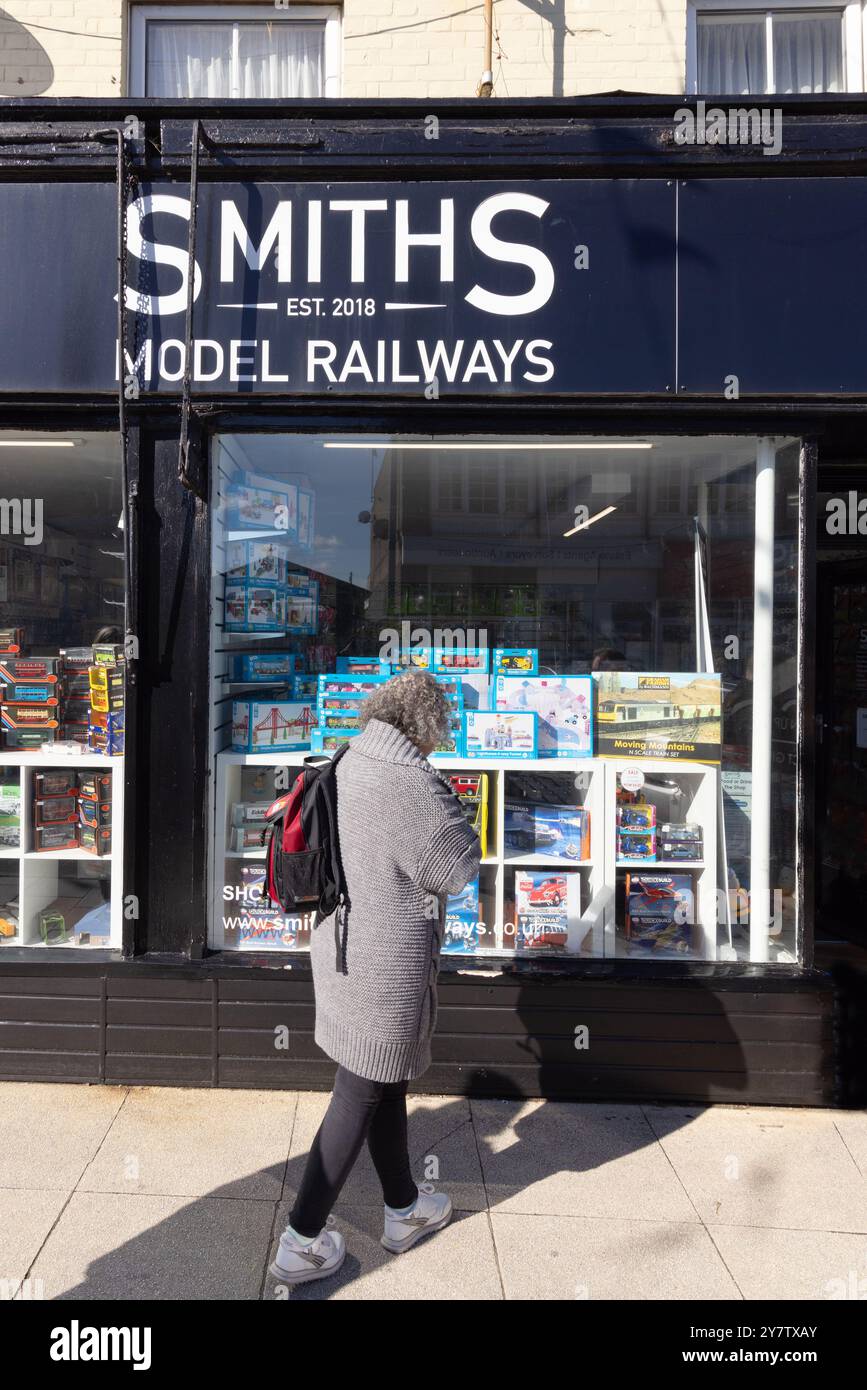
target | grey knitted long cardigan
[{"x": 405, "y": 844}]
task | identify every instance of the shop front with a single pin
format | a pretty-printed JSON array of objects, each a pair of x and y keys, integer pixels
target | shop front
[{"x": 384, "y": 400}]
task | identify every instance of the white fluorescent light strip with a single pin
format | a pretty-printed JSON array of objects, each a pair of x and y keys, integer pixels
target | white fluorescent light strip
[
  {"x": 606, "y": 511},
  {"x": 36, "y": 444},
  {"x": 371, "y": 444}
]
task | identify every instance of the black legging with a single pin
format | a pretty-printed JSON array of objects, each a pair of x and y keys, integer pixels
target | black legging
[{"x": 359, "y": 1110}]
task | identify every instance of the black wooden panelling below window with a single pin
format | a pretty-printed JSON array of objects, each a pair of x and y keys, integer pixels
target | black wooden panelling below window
[{"x": 738, "y": 1041}]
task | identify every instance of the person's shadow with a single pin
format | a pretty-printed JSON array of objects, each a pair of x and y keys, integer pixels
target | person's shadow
[{"x": 484, "y": 1154}]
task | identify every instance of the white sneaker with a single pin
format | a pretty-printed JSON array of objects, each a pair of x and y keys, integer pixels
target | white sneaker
[
  {"x": 431, "y": 1212},
  {"x": 299, "y": 1264}
]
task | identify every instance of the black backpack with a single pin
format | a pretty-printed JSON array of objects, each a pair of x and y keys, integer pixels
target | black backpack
[{"x": 302, "y": 857}]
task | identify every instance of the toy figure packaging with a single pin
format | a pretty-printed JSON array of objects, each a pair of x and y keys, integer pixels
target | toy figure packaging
[
  {"x": 490, "y": 734},
  {"x": 257, "y": 562},
  {"x": 547, "y": 909},
  {"x": 463, "y": 921},
  {"x": 254, "y": 608},
  {"x": 261, "y": 726},
  {"x": 660, "y": 911},
  {"x": 564, "y": 705},
  {"x": 516, "y": 661}
]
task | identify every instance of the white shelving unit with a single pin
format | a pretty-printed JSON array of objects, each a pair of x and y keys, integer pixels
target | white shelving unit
[
  {"x": 40, "y": 872},
  {"x": 681, "y": 791}
]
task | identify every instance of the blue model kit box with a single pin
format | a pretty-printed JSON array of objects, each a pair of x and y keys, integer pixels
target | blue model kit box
[
  {"x": 564, "y": 706},
  {"x": 448, "y": 660},
  {"x": 256, "y": 504},
  {"x": 463, "y": 921},
  {"x": 305, "y": 687},
  {"x": 254, "y": 608},
  {"x": 499, "y": 734},
  {"x": 257, "y": 562},
  {"x": 329, "y": 740},
  {"x": 273, "y": 667},
  {"x": 516, "y": 661},
  {"x": 660, "y": 911},
  {"x": 338, "y": 712},
  {"x": 563, "y": 832},
  {"x": 264, "y": 726},
  {"x": 353, "y": 687},
  {"x": 363, "y": 666},
  {"x": 302, "y": 605},
  {"x": 420, "y": 657}
]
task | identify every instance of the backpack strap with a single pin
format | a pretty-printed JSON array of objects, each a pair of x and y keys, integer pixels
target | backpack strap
[{"x": 341, "y": 912}]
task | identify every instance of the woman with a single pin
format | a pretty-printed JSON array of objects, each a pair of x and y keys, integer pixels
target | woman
[{"x": 405, "y": 845}]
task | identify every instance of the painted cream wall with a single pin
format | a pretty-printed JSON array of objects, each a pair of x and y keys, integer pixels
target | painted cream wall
[{"x": 391, "y": 48}]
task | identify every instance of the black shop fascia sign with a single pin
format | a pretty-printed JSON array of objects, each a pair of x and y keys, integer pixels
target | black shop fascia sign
[{"x": 532, "y": 288}]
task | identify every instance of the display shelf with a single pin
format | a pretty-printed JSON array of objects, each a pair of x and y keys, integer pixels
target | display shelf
[{"x": 46, "y": 875}]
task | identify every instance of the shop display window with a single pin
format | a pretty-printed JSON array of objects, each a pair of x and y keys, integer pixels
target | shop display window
[
  {"x": 62, "y": 691},
  {"x": 616, "y": 621}
]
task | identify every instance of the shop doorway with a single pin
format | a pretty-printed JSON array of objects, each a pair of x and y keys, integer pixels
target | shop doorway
[{"x": 841, "y": 772}]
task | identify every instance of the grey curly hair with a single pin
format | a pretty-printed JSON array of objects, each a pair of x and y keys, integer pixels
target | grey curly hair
[{"x": 413, "y": 702}]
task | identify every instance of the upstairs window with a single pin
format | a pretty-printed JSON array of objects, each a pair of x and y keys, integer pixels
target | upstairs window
[
  {"x": 750, "y": 50},
  {"x": 234, "y": 51}
]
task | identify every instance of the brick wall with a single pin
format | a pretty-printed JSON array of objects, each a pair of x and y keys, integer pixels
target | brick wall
[{"x": 391, "y": 48}]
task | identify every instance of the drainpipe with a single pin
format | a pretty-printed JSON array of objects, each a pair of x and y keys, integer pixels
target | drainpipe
[{"x": 486, "y": 86}]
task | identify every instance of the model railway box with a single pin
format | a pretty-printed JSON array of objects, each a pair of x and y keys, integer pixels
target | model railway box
[
  {"x": 363, "y": 666},
  {"x": 273, "y": 667},
  {"x": 347, "y": 687},
  {"x": 54, "y": 810},
  {"x": 17, "y": 716},
  {"x": 329, "y": 740},
  {"x": 59, "y": 783},
  {"x": 29, "y": 668},
  {"x": 487, "y": 734},
  {"x": 28, "y": 740},
  {"x": 563, "y": 705},
  {"x": 515, "y": 661},
  {"x": 11, "y": 641},
  {"x": 262, "y": 726},
  {"x": 55, "y": 837}
]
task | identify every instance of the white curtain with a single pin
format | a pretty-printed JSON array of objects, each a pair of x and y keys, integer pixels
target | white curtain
[
  {"x": 731, "y": 56},
  {"x": 188, "y": 60},
  {"x": 281, "y": 60},
  {"x": 808, "y": 53},
  {"x": 198, "y": 59}
]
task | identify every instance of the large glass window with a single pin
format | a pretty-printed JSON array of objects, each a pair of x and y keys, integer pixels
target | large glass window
[
  {"x": 62, "y": 684},
  {"x": 242, "y": 51},
  {"x": 617, "y": 620}
]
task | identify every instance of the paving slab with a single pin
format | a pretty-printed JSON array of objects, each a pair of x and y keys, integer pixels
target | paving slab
[
  {"x": 555, "y": 1257},
  {"x": 454, "y": 1264},
  {"x": 851, "y": 1125},
  {"x": 442, "y": 1150},
  {"x": 109, "y": 1246},
  {"x": 49, "y": 1133},
  {"x": 25, "y": 1220},
  {"x": 193, "y": 1143},
  {"x": 821, "y": 1266},
  {"x": 553, "y": 1157},
  {"x": 755, "y": 1166}
]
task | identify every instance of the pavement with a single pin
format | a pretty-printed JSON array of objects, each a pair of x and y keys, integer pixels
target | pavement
[{"x": 112, "y": 1192}]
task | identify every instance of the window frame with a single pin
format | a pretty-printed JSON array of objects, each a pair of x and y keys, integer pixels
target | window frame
[
  {"x": 140, "y": 15},
  {"x": 854, "y": 23}
]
